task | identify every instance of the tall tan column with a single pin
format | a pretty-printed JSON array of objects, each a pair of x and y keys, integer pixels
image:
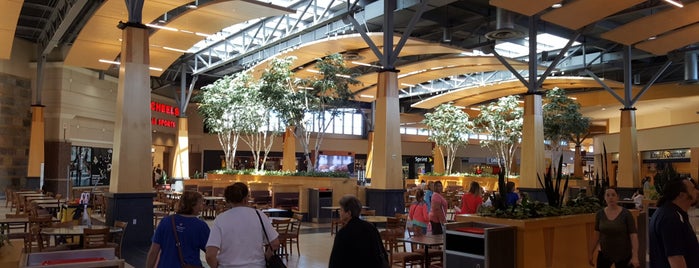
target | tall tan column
[
  {"x": 180, "y": 165},
  {"x": 438, "y": 160},
  {"x": 387, "y": 172},
  {"x": 628, "y": 176},
  {"x": 36, "y": 142},
  {"x": 289, "y": 150},
  {"x": 532, "y": 158},
  {"x": 131, "y": 164}
]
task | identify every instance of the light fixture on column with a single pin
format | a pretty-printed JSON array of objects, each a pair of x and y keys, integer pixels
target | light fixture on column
[
  {"x": 446, "y": 35},
  {"x": 677, "y": 3}
]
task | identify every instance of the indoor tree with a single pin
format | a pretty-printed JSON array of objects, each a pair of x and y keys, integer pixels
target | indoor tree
[
  {"x": 563, "y": 121},
  {"x": 255, "y": 116},
  {"x": 311, "y": 104},
  {"x": 449, "y": 127},
  {"x": 219, "y": 116},
  {"x": 502, "y": 120}
]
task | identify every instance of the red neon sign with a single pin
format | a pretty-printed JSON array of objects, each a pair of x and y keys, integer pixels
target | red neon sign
[
  {"x": 162, "y": 122},
  {"x": 164, "y": 108}
]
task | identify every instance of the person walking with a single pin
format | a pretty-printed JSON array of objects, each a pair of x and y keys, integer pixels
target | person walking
[
  {"x": 418, "y": 215},
  {"x": 615, "y": 234},
  {"x": 672, "y": 240},
  {"x": 438, "y": 213},
  {"x": 358, "y": 243},
  {"x": 183, "y": 228},
  {"x": 237, "y": 237},
  {"x": 471, "y": 200}
]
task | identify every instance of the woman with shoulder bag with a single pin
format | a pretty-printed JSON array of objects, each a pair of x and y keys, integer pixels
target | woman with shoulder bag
[
  {"x": 240, "y": 234},
  {"x": 184, "y": 229}
]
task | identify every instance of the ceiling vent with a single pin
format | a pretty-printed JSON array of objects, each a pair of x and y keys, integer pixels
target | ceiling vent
[
  {"x": 504, "y": 27},
  {"x": 351, "y": 56}
]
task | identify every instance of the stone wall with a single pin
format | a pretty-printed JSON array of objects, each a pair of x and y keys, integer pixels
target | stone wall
[{"x": 15, "y": 126}]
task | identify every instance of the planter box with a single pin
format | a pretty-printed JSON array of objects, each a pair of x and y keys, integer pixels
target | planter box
[{"x": 548, "y": 242}]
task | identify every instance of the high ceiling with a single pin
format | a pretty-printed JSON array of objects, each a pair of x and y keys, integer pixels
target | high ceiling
[{"x": 657, "y": 32}]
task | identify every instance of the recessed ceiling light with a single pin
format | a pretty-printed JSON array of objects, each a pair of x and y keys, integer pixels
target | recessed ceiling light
[{"x": 557, "y": 5}]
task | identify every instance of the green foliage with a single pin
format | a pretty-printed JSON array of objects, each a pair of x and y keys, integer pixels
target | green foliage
[
  {"x": 552, "y": 187},
  {"x": 502, "y": 120},
  {"x": 499, "y": 200},
  {"x": 602, "y": 184},
  {"x": 563, "y": 120},
  {"x": 534, "y": 209},
  {"x": 449, "y": 128},
  {"x": 328, "y": 92}
]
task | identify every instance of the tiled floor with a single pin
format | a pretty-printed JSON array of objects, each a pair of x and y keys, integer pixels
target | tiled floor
[{"x": 315, "y": 246}]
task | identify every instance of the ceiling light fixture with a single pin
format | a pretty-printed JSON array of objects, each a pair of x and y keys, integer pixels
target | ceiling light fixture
[
  {"x": 677, "y": 3},
  {"x": 175, "y": 49},
  {"x": 557, "y": 5},
  {"x": 367, "y": 96},
  {"x": 407, "y": 85},
  {"x": 109, "y": 61},
  {"x": 364, "y": 64},
  {"x": 162, "y": 27}
]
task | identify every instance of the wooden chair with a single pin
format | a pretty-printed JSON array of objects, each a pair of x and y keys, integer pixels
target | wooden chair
[
  {"x": 282, "y": 227},
  {"x": 293, "y": 235},
  {"x": 368, "y": 212},
  {"x": 34, "y": 242},
  {"x": 8, "y": 197},
  {"x": 118, "y": 238},
  {"x": 96, "y": 238},
  {"x": 16, "y": 230},
  {"x": 396, "y": 255}
]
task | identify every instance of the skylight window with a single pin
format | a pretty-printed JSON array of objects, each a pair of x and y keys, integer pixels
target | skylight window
[{"x": 545, "y": 42}]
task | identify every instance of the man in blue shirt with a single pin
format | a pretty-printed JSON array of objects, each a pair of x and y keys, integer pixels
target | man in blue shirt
[{"x": 672, "y": 241}]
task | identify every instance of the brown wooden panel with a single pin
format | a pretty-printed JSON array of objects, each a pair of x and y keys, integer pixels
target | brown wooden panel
[
  {"x": 671, "y": 41},
  {"x": 580, "y": 13},
  {"x": 654, "y": 25},
  {"x": 524, "y": 7},
  {"x": 100, "y": 35},
  {"x": 9, "y": 14}
]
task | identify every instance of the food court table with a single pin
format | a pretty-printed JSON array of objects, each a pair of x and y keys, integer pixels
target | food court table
[{"x": 426, "y": 241}]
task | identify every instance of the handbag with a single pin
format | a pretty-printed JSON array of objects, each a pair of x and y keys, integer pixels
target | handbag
[
  {"x": 273, "y": 261},
  {"x": 178, "y": 245}
]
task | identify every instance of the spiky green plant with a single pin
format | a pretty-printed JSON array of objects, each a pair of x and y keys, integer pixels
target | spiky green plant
[{"x": 552, "y": 187}]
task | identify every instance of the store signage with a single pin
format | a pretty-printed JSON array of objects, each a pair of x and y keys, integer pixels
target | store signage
[
  {"x": 667, "y": 154},
  {"x": 165, "y": 109},
  {"x": 422, "y": 159}
]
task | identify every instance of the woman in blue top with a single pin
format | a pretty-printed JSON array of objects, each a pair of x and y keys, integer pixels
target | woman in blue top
[
  {"x": 428, "y": 195},
  {"x": 191, "y": 232}
]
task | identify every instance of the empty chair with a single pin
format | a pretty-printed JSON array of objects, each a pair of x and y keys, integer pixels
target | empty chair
[
  {"x": 368, "y": 212},
  {"x": 16, "y": 230},
  {"x": 282, "y": 227},
  {"x": 95, "y": 238},
  {"x": 292, "y": 236},
  {"x": 117, "y": 238}
]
